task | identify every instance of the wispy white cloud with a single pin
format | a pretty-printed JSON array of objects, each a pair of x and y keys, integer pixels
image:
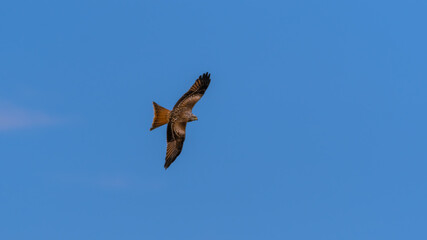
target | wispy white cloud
[
  {"x": 96, "y": 180},
  {"x": 113, "y": 181},
  {"x": 12, "y": 118}
]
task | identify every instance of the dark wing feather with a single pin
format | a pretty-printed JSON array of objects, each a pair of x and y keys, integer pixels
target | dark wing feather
[
  {"x": 190, "y": 98},
  {"x": 175, "y": 138}
]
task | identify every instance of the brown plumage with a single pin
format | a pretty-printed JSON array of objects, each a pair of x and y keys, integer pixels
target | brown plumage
[{"x": 179, "y": 116}]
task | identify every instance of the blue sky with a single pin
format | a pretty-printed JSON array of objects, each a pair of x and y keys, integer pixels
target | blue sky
[{"x": 313, "y": 127}]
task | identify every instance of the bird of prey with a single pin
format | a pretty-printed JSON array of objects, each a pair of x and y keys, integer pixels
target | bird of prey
[{"x": 179, "y": 116}]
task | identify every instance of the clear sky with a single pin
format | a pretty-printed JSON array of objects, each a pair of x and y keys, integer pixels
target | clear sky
[{"x": 313, "y": 127}]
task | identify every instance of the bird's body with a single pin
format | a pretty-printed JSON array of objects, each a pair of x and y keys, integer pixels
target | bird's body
[{"x": 179, "y": 116}]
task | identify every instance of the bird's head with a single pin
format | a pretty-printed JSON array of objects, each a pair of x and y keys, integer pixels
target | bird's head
[{"x": 193, "y": 118}]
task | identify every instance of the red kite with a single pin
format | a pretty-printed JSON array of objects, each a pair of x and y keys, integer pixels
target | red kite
[{"x": 179, "y": 116}]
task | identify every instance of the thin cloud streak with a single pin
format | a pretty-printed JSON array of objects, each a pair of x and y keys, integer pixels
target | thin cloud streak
[
  {"x": 13, "y": 118},
  {"x": 113, "y": 181}
]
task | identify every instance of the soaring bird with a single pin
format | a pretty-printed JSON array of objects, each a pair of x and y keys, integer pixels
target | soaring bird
[{"x": 179, "y": 116}]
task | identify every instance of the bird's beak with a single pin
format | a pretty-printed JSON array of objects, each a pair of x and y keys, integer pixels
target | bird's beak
[{"x": 195, "y": 119}]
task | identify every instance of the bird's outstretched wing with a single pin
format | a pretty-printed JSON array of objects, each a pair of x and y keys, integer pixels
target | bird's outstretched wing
[
  {"x": 190, "y": 98},
  {"x": 175, "y": 139}
]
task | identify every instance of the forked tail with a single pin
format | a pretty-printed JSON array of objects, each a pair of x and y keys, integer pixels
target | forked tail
[{"x": 161, "y": 116}]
